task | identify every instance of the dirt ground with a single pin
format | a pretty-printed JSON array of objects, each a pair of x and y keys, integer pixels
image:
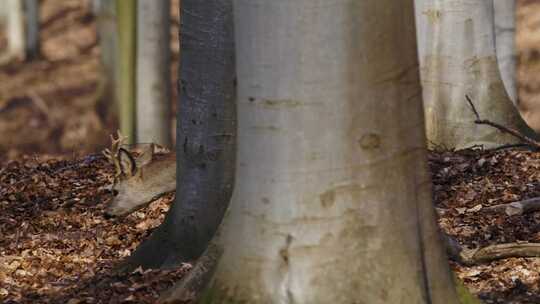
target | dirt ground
[{"x": 57, "y": 246}]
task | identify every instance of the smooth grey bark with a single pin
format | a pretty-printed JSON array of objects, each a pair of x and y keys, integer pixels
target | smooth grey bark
[
  {"x": 458, "y": 58},
  {"x": 332, "y": 202},
  {"x": 153, "y": 72},
  {"x": 31, "y": 7},
  {"x": 205, "y": 137},
  {"x": 505, "y": 33}
]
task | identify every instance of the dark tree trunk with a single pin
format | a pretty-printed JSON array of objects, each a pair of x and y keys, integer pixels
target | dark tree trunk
[
  {"x": 205, "y": 137},
  {"x": 32, "y": 28}
]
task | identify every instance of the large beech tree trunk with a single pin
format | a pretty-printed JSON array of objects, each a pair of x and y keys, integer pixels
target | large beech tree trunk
[
  {"x": 205, "y": 137},
  {"x": 332, "y": 201},
  {"x": 457, "y": 55},
  {"x": 153, "y": 72}
]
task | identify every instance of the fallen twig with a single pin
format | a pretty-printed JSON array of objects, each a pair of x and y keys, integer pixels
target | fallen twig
[
  {"x": 517, "y": 134},
  {"x": 489, "y": 253},
  {"x": 517, "y": 208},
  {"x": 499, "y": 251}
]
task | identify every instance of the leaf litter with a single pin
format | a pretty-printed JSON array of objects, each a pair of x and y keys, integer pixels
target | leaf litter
[
  {"x": 467, "y": 181},
  {"x": 57, "y": 246}
]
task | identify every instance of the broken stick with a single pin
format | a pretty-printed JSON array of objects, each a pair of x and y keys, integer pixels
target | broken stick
[
  {"x": 518, "y": 208},
  {"x": 529, "y": 141}
]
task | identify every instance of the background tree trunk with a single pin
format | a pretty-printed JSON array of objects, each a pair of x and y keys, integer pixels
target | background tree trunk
[
  {"x": 205, "y": 137},
  {"x": 31, "y": 7},
  {"x": 107, "y": 106},
  {"x": 505, "y": 34},
  {"x": 15, "y": 29},
  {"x": 153, "y": 72},
  {"x": 126, "y": 18},
  {"x": 528, "y": 97},
  {"x": 457, "y": 55},
  {"x": 332, "y": 201}
]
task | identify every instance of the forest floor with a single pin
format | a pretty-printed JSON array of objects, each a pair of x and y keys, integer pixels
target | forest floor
[
  {"x": 465, "y": 184},
  {"x": 57, "y": 246}
]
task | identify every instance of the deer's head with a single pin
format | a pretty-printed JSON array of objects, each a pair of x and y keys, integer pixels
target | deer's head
[{"x": 137, "y": 180}]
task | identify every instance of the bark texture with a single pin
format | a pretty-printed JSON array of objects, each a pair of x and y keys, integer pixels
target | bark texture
[
  {"x": 153, "y": 72},
  {"x": 329, "y": 205},
  {"x": 505, "y": 35},
  {"x": 458, "y": 58},
  {"x": 205, "y": 137}
]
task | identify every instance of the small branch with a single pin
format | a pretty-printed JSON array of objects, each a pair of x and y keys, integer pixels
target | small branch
[
  {"x": 518, "y": 135},
  {"x": 500, "y": 251},
  {"x": 473, "y": 108},
  {"x": 518, "y": 208},
  {"x": 511, "y": 146},
  {"x": 490, "y": 253}
]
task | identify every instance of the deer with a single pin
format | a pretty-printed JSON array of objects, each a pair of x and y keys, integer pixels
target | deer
[{"x": 138, "y": 180}]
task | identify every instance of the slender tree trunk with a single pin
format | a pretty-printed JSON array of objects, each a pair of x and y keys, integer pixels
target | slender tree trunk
[
  {"x": 205, "y": 137},
  {"x": 31, "y": 7},
  {"x": 457, "y": 55},
  {"x": 15, "y": 29},
  {"x": 108, "y": 43},
  {"x": 332, "y": 201},
  {"x": 126, "y": 16},
  {"x": 153, "y": 72}
]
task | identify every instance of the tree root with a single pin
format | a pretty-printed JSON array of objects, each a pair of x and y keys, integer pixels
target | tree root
[{"x": 191, "y": 287}]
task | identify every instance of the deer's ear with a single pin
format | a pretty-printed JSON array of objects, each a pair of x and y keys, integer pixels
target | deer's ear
[
  {"x": 127, "y": 163},
  {"x": 145, "y": 157}
]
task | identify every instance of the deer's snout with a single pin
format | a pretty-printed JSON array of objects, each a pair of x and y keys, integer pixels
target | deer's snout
[{"x": 116, "y": 206}]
